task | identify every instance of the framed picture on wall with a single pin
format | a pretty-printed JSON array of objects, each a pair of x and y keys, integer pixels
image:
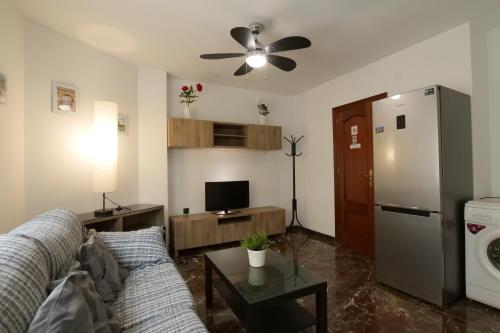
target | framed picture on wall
[
  {"x": 123, "y": 124},
  {"x": 64, "y": 98},
  {"x": 3, "y": 88}
]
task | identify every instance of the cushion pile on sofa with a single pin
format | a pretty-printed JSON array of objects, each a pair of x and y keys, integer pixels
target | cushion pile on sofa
[{"x": 40, "y": 278}]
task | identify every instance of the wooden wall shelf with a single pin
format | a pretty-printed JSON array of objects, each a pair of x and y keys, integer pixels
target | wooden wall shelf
[
  {"x": 194, "y": 133},
  {"x": 196, "y": 230}
]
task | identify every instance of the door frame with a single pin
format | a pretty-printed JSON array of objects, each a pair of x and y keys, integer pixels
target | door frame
[{"x": 338, "y": 169}]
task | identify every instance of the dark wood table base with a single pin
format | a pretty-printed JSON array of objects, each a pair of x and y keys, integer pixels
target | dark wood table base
[{"x": 281, "y": 314}]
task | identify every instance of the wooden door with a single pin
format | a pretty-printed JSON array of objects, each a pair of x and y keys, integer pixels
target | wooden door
[
  {"x": 189, "y": 133},
  {"x": 271, "y": 222},
  {"x": 194, "y": 231},
  {"x": 264, "y": 137},
  {"x": 353, "y": 170}
]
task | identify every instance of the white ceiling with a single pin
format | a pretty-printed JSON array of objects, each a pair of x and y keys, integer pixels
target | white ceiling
[{"x": 345, "y": 34}]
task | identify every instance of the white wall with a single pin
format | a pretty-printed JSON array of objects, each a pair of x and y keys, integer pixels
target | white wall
[
  {"x": 493, "y": 88},
  {"x": 444, "y": 59},
  {"x": 11, "y": 118},
  {"x": 58, "y": 163},
  {"x": 269, "y": 172},
  {"x": 152, "y": 135},
  {"x": 56, "y": 170}
]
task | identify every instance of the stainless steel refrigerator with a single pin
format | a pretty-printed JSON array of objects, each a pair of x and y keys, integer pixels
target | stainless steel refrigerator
[{"x": 423, "y": 177}]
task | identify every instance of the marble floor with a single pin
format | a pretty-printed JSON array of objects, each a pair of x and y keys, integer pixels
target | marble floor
[{"x": 356, "y": 303}]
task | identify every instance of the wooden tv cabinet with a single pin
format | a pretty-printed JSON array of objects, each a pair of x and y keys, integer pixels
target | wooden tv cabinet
[{"x": 196, "y": 230}]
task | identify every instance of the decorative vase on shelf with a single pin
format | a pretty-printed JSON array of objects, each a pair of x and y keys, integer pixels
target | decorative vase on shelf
[
  {"x": 262, "y": 119},
  {"x": 256, "y": 258},
  {"x": 188, "y": 96},
  {"x": 187, "y": 111}
]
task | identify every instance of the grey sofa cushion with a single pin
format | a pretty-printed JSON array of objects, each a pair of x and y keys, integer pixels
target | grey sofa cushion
[
  {"x": 134, "y": 249},
  {"x": 74, "y": 306},
  {"x": 24, "y": 277},
  {"x": 151, "y": 291},
  {"x": 59, "y": 235},
  {"x": 184, "y": 320},
  {"x": 103, "y": 268}
]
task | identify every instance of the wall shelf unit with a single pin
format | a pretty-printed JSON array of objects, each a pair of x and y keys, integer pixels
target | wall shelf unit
[{"x": 194, "y": 133}]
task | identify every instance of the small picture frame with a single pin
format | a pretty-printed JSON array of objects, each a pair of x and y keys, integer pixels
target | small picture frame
[
  {"x": 3, "y": 88},
  {"x": 64, "y": 98},
  {"x": 123, "y": 124}
]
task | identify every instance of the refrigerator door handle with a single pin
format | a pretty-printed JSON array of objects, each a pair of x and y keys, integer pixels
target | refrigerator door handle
[{"x": 406, "y": 210}]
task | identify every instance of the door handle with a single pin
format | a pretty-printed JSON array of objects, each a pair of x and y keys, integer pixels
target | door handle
[{"x": 406, "y": 210}]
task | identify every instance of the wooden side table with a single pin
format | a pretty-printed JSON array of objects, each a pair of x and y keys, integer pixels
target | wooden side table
[{"x": 135, "y": 217}]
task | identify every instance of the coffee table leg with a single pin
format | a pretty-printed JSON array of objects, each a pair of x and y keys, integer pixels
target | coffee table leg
[
  {"x": 252, "y": 320},
  {"x": 208, "y": 283},
  {"x": 321, "y": 313}
]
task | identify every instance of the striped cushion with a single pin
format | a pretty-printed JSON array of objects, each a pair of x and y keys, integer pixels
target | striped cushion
[
  {"x": 134, "y": 249},
  {"x": 151, "y": 291},
  {"x": 24, "y": 278},
  {"x": 59, "y": 235},
  {"x": 181, "y": 321}
]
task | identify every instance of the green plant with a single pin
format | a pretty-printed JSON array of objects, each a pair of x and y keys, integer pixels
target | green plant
[
  {"x": 263, "y": 109},
  {"x": 257, "y": 242}
]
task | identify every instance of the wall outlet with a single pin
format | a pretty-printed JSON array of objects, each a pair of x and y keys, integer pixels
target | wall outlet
[{"x": 185, "y": 211}]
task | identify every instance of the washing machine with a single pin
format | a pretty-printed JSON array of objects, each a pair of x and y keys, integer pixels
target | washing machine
[{"x": 482, "y": 251}]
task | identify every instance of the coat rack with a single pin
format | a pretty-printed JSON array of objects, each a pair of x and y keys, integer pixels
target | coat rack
[{"x": 293, "y": 141}]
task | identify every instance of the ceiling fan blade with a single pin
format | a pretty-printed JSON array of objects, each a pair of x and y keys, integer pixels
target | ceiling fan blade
[
  {"x": 243, "y": 36},
  {"x": 288, "y": 43},
  {"x": 283, "y": 63},
  {"x": 244, "y": 69},
  {"x": 212, "y": 56}
]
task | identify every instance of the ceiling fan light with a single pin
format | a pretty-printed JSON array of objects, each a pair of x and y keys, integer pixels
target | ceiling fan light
[{"x": 256, "y": 59}]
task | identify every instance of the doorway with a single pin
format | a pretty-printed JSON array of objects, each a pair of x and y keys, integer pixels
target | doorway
[{"x": 353, "y": 175}]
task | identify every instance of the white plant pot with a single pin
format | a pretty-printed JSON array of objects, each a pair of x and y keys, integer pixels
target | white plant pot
[
  {"x": 257, "y": 276},
  {"x": 262, "y": 119},
  {"x": 187, "y": 111},
  {"x": 256, "y": 258}
]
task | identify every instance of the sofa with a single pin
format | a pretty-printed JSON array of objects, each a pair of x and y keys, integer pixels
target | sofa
[{"x": 154, "y": 297}]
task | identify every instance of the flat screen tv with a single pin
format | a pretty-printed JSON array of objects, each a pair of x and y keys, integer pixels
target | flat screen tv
[{"x": 225, "y": 197}]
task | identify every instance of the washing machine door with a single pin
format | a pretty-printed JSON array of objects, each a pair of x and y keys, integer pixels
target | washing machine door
[
  {"x": 493, "y": 252},
  {"x": 488, "y": 254}
]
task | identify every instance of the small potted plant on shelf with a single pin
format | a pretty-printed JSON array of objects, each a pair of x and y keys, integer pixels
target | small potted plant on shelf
[
  {"x": 188, "y": 96},
  {"x": 263, "y": 109},
  {"x": 256, "y": 245}
]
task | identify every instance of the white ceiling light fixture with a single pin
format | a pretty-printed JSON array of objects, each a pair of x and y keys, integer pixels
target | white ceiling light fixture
[
  {"x": 256, "y": 59},
  {"x": 395, "y": 97}
]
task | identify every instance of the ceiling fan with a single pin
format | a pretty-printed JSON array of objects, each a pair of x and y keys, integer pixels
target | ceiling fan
[{"x": 258, "y": 55}]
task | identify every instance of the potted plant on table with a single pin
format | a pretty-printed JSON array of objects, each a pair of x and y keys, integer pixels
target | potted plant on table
[
  {"x": 263, "y": 109},
  {"x": 256, "y": 245},
  {"x": 188, "y": 96}
]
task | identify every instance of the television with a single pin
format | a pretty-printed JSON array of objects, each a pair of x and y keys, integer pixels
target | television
[{"x": 225, "y": 197}]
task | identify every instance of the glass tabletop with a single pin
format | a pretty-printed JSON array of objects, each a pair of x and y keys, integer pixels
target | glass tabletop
[{"x": 279, "y": 276}]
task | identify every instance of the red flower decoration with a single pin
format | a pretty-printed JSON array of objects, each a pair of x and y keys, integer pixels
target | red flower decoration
[
  {"x": 199, "y": 87},
  {"x": 184, "y": 88}
]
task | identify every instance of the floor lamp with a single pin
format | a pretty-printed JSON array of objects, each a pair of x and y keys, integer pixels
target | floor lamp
[{"x": 105, "y": 152}]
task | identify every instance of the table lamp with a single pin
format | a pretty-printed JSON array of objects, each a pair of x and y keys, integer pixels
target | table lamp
[{"x": 105, "y": 151}]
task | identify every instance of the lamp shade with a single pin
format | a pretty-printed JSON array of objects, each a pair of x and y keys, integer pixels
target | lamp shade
[{"x": 105, "y": 146}]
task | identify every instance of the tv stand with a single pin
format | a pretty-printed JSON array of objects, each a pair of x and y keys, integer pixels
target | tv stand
[{"x": 204, "y": 229}]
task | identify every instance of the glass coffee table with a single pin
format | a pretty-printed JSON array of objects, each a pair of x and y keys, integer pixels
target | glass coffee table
[{"x": 264, "y": 298}]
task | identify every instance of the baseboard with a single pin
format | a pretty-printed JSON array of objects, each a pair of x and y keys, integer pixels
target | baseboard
[{"x": 311, "y": 232}]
